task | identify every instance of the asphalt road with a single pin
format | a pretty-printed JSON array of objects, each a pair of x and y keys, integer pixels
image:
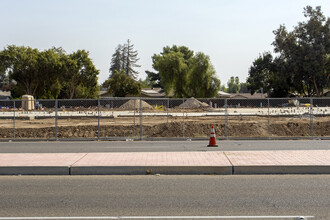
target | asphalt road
[
  {"x": 160, "y": 146},
  {"x": 280, "y": 195}
]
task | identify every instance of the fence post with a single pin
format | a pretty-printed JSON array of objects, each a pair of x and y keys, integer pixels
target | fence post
[
  {"x": 56, "y": 104},
  {"x": 168, "y": 105},
  {"x": 14, "y": 134},
  {"x": 183, "y": 118},
  {"x": 141, "y": 129},
  {"x": 134, "y": 118},
  {"x": 268, "y": 121},
  {"x": 311, "y": 118},
  {"x": 98, "y": 120},
  {"x": 226, "y": 119}
]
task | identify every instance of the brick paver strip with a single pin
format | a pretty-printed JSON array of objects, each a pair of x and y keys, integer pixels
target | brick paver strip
[
  {"x": 44, "y": 159},
  {"x": 38, "y": 164},
  {"x": 280, "y": 162},
  {"x": 242, "y": 162},
  {"x": 267, "y": 158},
  {"x": 152, "y": 163},
  {"x": 155, "y": 159}
]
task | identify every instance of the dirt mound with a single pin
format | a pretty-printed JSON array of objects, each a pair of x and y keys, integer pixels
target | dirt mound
[
  {"x": 130, "y": 105},
  {"x": 193, "y": 103},
  {"x": 158, "y": 127}
]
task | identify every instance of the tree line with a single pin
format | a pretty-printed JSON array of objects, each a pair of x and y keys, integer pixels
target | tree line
[
  {"x": 300, "y": 64},
  {"x": 180, "y": 72},
  {"x": 48, "y": 74}
]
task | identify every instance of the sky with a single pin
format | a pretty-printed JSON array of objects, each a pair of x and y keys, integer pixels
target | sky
[{"x": 233, "y": 33}]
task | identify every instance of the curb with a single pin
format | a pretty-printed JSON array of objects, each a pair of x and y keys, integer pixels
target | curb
[
  {"x": 278, "y": 169},
  {"x": 165, "y": 170},
  {"x": 35, "y": 170},
  {"x": 143, "y": 170}
]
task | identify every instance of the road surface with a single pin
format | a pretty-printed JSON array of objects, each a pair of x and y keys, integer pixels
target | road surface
[
  {"x": 160, "y": 146},
  {"x": 281, "y": 195}
]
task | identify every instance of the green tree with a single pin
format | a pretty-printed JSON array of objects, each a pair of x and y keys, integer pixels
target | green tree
[
  {"x": 305, "y": 51},
  {"x": 21, "y": 63},
  {"x": 301, "y": 62},
  {"x": 4, "y": 80},
  {"x": 270, "y": 75},
  {"x": 50, "y": 69},
  {"x": 81, "y": 76},
  {"x": 153, "y": 79},
  {"x": 183, "y": 74},
  {"x": 50, "y": 73},
  {"x": 131, "y": 60},
  {"x": 233, "y": 85},
  {"x": 125, "y": 58},
  {"x": 244, "y": 88},
  {"x": 144, "y": 83},
  {"x": 173, "y": 72},
  {"x": 116, "y": 63},
  {"x": 223, "y": 88},
  {"x": 260, "y": 73},
  {"x": 121, "y": 85},
  {"x": 202, "y": 77}
]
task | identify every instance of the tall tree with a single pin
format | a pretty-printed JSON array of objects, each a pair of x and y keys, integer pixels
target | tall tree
[
  {"x": 202, "y": 77},
  {"x": 260, "y": 73},
  {"x": 116, "y": 63},
  {"x": 233, "y": 85},
  {"x": 270, "y": 75},
  {"x": 301, "y": 62},
  {"x": 125, "y": 58},
  {"x": 172, "y": 72},
  {"x": 131, "y": 60},
  {"x": 82, "y": 75},
  {"x": 22, "y": 65},
  {"x": 305, "y": 50},
  {"x": 50, "y": 68},
  {"x": 121, "y": 85},
  {"x": 184, "y": 74}
]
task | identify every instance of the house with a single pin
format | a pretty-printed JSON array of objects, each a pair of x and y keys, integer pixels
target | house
[
  {"x": 248, "y": 96},
  {"x": 146, "y": 92},
  {"x": 153, "y": 93},
  {"x": 5, "y": 95},
  {"x": 222, "y": 94}
]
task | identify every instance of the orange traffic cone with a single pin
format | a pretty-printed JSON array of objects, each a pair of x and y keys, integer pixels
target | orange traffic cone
[{"x": 213, "y": 140}]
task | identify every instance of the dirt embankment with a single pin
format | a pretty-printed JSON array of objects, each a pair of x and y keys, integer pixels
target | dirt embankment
[{"x": 158, "y": 127}]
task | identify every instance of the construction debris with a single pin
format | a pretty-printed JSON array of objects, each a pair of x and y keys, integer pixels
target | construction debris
[
  {"x": 130, "y": 105},
  {"x": 193, "y": 103}
]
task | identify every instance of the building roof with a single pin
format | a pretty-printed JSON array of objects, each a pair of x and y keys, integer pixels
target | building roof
[
  {"x": 224, "y": 94},
  {"x": 248, "y": 96},
  {"x": 102, "y": 92},
  {"x": 153, "y": 92}
]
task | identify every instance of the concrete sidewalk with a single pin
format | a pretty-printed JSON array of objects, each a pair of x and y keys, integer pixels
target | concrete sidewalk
[{"x": 233, "y": 162}]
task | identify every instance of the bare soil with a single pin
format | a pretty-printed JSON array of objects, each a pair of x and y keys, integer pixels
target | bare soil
[{"x": 239, "y": 126}]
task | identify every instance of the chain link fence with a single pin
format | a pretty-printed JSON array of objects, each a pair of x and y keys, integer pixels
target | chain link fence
[{"x": 163, "y": 118}]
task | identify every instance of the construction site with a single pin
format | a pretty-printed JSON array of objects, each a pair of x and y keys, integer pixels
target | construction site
[{"x": 139, "y": 118}]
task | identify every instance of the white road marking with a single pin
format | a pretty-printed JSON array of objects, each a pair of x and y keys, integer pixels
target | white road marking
[{"x": 159, "y": 217}]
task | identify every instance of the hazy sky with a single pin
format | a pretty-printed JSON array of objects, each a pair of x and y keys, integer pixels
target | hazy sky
[{"x": 232, "y": 32}]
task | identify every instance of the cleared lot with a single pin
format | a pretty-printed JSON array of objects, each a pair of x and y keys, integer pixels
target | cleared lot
[{"x": 171, "y": 126}]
